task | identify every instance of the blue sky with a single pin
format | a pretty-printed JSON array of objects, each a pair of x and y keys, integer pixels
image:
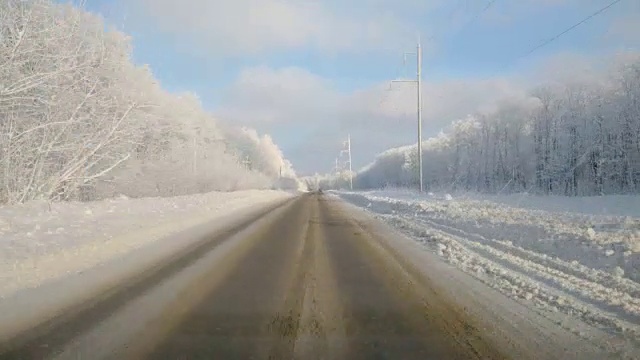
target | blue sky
[{"x": 308, "y": 72}]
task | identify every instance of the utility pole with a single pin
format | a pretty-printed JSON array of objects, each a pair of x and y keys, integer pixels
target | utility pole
[
  {"x": 350, "y": 168},
  {"x": 336, "y": 174},
  {"x": 347, "y": 144},
  {"x": 418, "y": 82}
]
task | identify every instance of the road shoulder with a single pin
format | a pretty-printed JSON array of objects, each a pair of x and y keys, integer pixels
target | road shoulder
[
  {"x": 32, "y": 306},
  {"x": 526, "y": 333}
]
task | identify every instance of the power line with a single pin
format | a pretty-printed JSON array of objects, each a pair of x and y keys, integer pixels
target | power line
[
  {"x": 477, "y": 16},
  {"x": 437, "y": 35},
  {"x": 547, "y": 42}
]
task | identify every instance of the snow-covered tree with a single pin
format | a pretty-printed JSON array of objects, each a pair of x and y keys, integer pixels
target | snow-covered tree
[
  {"x": 79, "y": 120},
  {"x": 578, "y": 137}
]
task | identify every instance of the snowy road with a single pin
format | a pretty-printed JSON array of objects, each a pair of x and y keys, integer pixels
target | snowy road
[{"x": 314, "y": 278}]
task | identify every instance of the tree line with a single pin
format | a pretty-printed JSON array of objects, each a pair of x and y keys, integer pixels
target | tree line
[
  {"x": 80, "y": 121},
  {"x": 577, "y": 137}
]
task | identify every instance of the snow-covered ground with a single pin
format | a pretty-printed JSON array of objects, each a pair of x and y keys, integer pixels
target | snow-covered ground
[
  {"x": 611, "y": 205},
  {"x": 582, "y": 263},
  {"x": 42, "y": 242}
]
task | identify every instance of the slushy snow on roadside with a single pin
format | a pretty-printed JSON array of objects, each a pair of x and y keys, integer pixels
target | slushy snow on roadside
[{"x": 582, "y": 264}]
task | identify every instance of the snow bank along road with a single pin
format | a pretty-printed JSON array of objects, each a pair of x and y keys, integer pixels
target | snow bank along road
[
  {"x": 308, "y": 278},
  {"x": 42, "y": 242}
]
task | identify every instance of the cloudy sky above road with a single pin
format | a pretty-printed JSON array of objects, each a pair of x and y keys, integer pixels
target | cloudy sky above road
[{"x": 310, "y": 72}]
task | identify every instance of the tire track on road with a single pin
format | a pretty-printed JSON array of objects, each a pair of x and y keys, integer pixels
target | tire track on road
[
  {"x": 321, "y": 332},
  {"x": 243, "y": 316},
  {"x": 390, "y": 312}
]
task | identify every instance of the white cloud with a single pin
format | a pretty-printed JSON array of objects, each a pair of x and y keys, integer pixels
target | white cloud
[
  {"x": 377, "y": 118},
  {"x": 447, "y": 100},
  {"x": 267, "y": 98},
  {"x": 569, "y": 67},
  {"x": 253, "y": 26},
  {"x": 290, "y": 97},
  {"x": 627, "y": 28},
  {"x": 263, "y": 95}
]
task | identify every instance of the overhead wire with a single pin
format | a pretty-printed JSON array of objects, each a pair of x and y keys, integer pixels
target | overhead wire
[
  {"x": 433, "y": 37},
  {"x": 478, "y": 14},
  {"x": 491, "y": 3},
  {"x": 554, "y": 38}
]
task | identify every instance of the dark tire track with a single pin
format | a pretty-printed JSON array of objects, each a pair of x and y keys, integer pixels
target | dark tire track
[
  {"x": 389, "y": 314},
  {"x": 245, "y": 316}
]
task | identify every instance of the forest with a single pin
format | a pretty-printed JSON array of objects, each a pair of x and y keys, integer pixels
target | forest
[
  {"x": 79, "y": 120},
  {"x": 577, "y": 137}
]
